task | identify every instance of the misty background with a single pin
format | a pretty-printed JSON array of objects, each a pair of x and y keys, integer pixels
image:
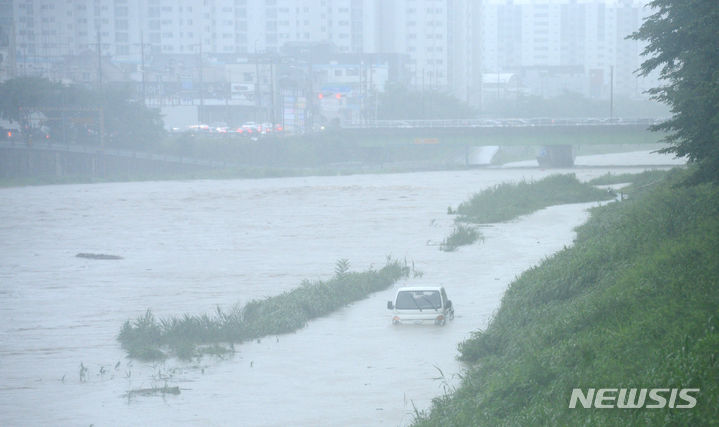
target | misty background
[{"x": 301, "y": 65}]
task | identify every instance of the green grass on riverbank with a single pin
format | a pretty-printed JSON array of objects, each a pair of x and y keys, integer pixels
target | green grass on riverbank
[
  {"x": 633, "y": 304},
  {"x": 148, "y": 338},
  {"x": 636, "y": 179},
  {"x": 461, "y": 235},
  {"x": 507, "y": 201}
]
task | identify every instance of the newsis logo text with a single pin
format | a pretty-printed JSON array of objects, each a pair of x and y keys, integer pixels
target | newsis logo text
[{"x": 631, "y": 398}]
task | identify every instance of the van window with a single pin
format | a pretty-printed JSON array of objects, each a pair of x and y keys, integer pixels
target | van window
[{"x": 413, "y": 300}]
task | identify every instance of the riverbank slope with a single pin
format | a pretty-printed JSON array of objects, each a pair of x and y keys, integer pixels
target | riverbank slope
[{"x": 633, "y": 304}]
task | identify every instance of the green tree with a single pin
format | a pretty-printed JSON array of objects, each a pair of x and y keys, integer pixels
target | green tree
[
  {"x": 128, "y": 122},
  {"x": 23, "y": 98},
  {"x": 71, "y": 113},
  {"x": 683, "y": 44}
]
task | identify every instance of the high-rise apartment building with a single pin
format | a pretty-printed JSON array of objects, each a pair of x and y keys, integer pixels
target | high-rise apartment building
[
  {"x": 418, "y": 28},
  {"x": 249, "y": 26},
  {"x": 464, "y": 32},
  {"x": 564, "y": 45},
  {"x": 549, "y": 45},
  {"x": 7, "y": 40},
  {"x": 47, "y": 29}
]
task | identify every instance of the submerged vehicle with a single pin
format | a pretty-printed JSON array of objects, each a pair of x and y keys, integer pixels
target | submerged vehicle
[{"x": 419, "y": 304}]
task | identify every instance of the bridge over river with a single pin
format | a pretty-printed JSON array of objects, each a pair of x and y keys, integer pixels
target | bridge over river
[
  {"x": 424, "y": 142},
  {"x": 477, "y": 132}
]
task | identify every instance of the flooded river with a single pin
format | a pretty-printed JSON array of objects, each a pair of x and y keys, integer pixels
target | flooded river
[{"x": 188, "y": 247}]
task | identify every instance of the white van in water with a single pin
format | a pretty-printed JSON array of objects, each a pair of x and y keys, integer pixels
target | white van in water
[{"x": 418, "y": 304}]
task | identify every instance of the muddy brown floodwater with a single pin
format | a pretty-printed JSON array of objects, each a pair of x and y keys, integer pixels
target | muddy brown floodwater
[{"x": 188, "y": 247}]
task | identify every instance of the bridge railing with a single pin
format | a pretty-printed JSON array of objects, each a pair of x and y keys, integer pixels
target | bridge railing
[{"x": 493, "y": 123}]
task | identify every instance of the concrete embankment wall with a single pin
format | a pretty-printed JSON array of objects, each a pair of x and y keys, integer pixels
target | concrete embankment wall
[{"x": 18, "y": 162}]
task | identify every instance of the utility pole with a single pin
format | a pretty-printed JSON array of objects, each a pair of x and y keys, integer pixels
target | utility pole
[
  {"x": 272, "y": 89},
  {"x": 228, "y": 95},
  {"x": 311, "y": 99},
  {"x": 99, "y": 60},
  {"x": 99, "y": 87},
  {"x": 142, "y": 65},
  {"x": 102, "y": 128},
  {"x": 12, "y": 67},
  {"x": 360, "y": 77},
  {"x": 258, "y": 93},
  {"x": 62, "y": 113},
  {"x": 101, "y": 125},
  {"x": 370, "y": 89},
  {"x": 202, "y": 87},
  {"x": 611, "y": 92},
  {"x": 423, "y": 117}
]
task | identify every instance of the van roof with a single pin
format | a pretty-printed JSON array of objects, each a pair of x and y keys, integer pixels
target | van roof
[{"x": 420, "y": 288}]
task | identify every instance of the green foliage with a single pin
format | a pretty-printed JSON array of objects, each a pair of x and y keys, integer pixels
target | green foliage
[
  {"x": 632, "y": 304},
  {"x": 683, "y": 44},
  {"x": 507, "y": 201},
  {"x": 23, "y": 95},
  {"x": 72, "y": 113},
  {"x": 401, "y": 103},
  {"x": 342, "y": 267},
  {"x": 129, "y": 123},
  {"x": 461, "y": 235},
  {"x": 639, "y": 179},
  {"x": 637, "y": 182},
  {"x": 147, "y": 338}
]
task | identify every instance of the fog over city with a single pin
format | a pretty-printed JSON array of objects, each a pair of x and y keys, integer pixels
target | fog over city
[
  {"x": 323, "y": 212},
  {"x": 305, "y": 64}
]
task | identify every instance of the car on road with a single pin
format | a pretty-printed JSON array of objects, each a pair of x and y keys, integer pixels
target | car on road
[
  {"x": 251, "y": 128},
  {"x": 421, "y": 304}
]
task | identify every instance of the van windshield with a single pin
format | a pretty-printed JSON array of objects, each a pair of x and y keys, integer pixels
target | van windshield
[{"x": 413, "y": 300}]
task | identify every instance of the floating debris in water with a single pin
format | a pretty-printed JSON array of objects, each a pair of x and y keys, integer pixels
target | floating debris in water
[{"x": 153, "y": 391}]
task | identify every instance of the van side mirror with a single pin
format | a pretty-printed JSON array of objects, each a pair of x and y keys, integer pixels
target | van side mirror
[
  {"x": 390, "y": 306},
  {"x": 449, "y": 303}
]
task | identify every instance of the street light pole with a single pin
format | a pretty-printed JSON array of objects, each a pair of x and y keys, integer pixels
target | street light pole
[{"x": 257, "y": 83}]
